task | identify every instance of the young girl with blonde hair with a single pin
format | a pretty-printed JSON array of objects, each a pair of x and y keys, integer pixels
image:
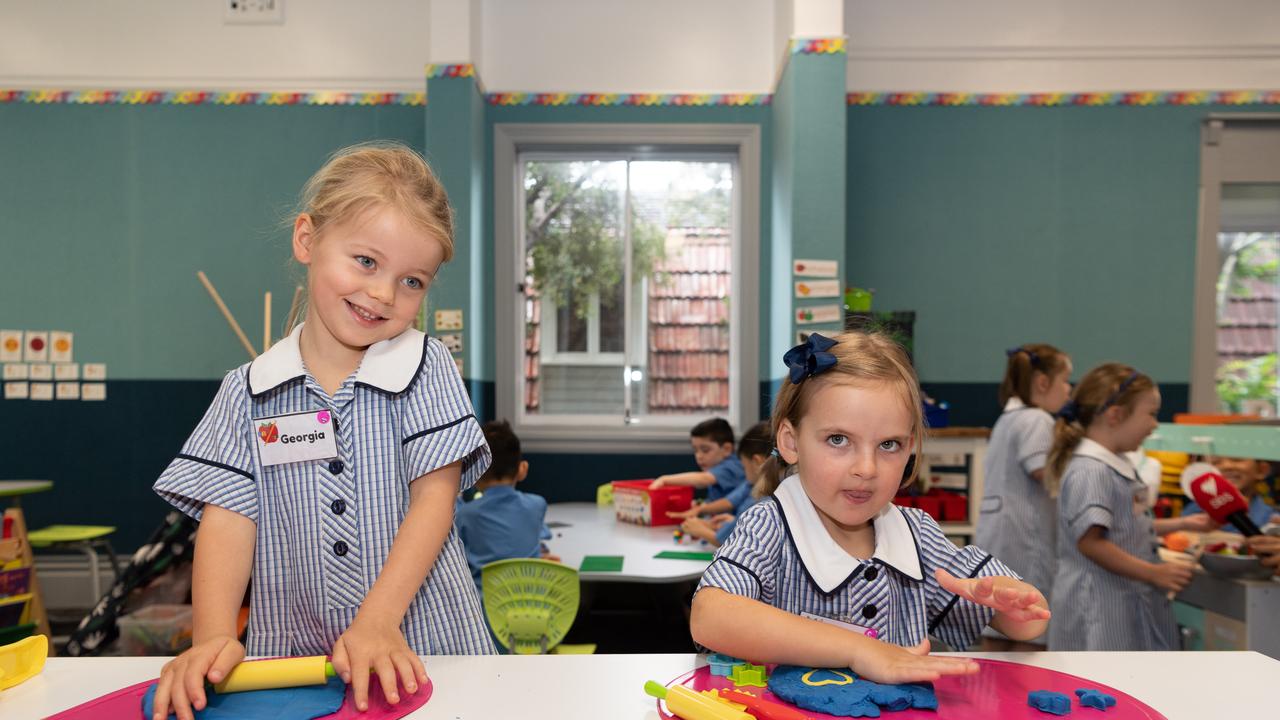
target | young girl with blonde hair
[{"x": 827, "y": 571}]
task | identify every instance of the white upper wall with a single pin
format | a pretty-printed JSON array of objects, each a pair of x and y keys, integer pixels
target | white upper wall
[
  {"x": 1062, "y": 45},
  {"x": 644, "y": 45}
]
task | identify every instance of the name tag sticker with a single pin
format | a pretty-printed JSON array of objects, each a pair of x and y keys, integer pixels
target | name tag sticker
[
  {"x": 869, "y": 632},
  {"x": 296, "y": 437}
]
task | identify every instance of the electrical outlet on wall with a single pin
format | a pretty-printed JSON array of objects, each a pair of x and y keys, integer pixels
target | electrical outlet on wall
[{"x": 253, "y": 12}]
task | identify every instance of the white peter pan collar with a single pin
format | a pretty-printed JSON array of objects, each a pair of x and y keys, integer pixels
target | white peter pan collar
[
  {"x": 826, "y": 562},
  {"x": 390, "y": 365},
  {"x": 1091, "y": 449},
  {"x": 1014, "y": 403}
]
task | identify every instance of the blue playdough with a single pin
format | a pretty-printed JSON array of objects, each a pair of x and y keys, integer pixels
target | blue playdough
[
  {"x": 859, "y": 698},
  {"x": 1049, "y": 702},
  {"x": 299, "y": 703},
  {"x": 1095, "y": 699}
]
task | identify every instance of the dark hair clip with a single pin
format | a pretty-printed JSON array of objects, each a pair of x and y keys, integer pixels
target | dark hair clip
[
  {"x": 1034, "y": 358},
  {"x": 1070, "y": 411},
  {"x": 810, "y": 357}
]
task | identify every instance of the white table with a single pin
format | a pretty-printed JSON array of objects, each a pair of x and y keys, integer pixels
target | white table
[
  {"x": 1182, "y": 686},
  {"x": 593, "y": 530}
]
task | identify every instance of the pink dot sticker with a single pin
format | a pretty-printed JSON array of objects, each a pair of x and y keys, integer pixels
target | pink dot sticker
[{"x": 322, "y": 417}]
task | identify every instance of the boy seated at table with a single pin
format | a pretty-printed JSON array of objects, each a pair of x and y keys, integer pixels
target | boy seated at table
[
  {"x": 720, "y": 470},
  {"x": 502, "y": 522},
  {"x": 1246, "y": 474}
]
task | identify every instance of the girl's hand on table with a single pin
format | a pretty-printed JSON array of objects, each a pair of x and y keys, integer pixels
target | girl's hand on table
[
  {"x": 372, "y": 645},
  {"x": 181, "y": 684}
]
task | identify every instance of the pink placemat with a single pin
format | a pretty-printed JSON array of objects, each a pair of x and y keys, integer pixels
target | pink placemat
[
  {"x": 998, "y": 690},
  {"x": 126, "y": 704}
]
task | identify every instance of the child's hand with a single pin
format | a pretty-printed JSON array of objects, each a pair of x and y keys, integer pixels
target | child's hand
[
  {"x": 1014, "y": 599},
  {"x": 1170, "y": 576},
  {"x": 181, "y": 684},
  {"x": 717, "y": 521},
  {"x": 656, "y": 484},
  {"x": 884, "y": 662},
  {"x": 1267, "y": 548},
  {"x": 549, "y": 556},
  {"x": 681, "y": 514},
  {"x": 1199, "y": 522},
  {"x": 698, "y": 528},
  {"x": 380, "y": 647}
]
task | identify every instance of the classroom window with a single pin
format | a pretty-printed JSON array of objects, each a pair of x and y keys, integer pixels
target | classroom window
[{"x": 625, "y": 259}]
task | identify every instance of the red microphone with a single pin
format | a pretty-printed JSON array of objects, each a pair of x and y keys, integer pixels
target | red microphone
[{"x": 1218, "y": 497}]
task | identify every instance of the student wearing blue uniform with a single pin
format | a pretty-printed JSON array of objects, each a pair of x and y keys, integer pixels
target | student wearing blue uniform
[
  {"x": 714, "y": 521},
  {"x": 1245, "y": 474},
  {"x": 501, "y": 522},
  {"x": 720, "y": 469},
  {"x": 1016, "y": 521},
  {"x": 1110, "y": 590},
  {"x": 325, "y": 471},
  {"x": 828, "y": 561}
]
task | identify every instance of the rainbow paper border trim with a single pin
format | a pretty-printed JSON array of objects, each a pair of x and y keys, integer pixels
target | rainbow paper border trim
[
  {"x": 202, "y": 97},
  {"x": 818, "y": 46},
  {"x": 463, "y": 70},
  {"x": 510, "y": 99},
  {"x": 1099, "y": 99}
]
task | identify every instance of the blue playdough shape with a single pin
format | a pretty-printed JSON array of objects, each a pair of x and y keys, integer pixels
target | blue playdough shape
[
  {"x": 1095, "y": 699},
  {"x": 299, "y": 703},
  {"x": 860, "y": 698},
  {"x": 1049, "y": 702}
]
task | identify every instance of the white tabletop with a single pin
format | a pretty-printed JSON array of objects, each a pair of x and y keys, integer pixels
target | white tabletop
[
  {"x": 1182, "y": 686},
  {"x": 593, "y": 530}
]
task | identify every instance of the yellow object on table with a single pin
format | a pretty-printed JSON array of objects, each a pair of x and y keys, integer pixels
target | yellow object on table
[
  {"x": 22, "y": 660},
  {"x": 277, "y": 673}
]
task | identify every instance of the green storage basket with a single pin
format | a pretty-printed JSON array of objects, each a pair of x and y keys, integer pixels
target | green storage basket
[{"x": 530, "y": 603}]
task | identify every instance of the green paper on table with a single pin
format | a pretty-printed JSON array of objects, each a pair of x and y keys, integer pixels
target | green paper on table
[
  {"x": 685, "y": 555},
  {"x": 601, "y": 563}
]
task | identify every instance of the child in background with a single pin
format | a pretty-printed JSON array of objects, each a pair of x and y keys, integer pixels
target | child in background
[
  {"x": 1110, "y": 588},
  {"x": 1016, "y": 521},
  {"x": 828, "y": 558},
  {"x": 502, "y": 522},
  {"x": 714, "y": 521},
  {"x": 721, "y": 470},
  {"x": 347, "y": 531},
  {"x": 1245, "y": 474}
]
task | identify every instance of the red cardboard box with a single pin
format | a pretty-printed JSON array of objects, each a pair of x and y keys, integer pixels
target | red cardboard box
[{"x": 634, "y": 502}]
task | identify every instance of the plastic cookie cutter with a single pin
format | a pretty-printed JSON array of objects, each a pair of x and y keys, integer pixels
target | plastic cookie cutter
[
  {"x": 692, "y": 705},
  {"x": 722, "y": 665},
  {"x": 748, "y": 674},
  {"x": 763, "y": 709}
]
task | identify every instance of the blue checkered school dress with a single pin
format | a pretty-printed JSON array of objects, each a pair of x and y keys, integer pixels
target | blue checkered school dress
[{"x": 325, "y": 527}]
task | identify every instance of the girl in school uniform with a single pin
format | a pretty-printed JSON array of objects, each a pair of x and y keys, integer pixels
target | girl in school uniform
[
  {"x": 1016, "y": 521},
  {"x": 827, "y": 571},
  {"x": 326, "y": 469},
  {"x": 713, "y": 522},
  {"x": 1111, "y": 587}
]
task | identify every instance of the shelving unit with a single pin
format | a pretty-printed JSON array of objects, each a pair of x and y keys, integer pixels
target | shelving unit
[{"x": 970, "y": 443}]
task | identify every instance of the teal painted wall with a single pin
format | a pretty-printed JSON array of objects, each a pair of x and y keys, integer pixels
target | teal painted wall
[
  {"x": 1074, "y": 226},
  {"x": 109, "y": 211}
]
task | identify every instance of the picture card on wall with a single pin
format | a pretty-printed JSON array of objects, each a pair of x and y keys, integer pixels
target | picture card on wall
[
  {"x": 41, "y": 371},
  {"x": 35, "y": 346},
  {"x": 60, "y": 346},
  {"x": 16, "y": 391},
  {"x": 458, "y": 361},
  {"x": 802, "y": 336},
  {"x": 816, "y": 268},
  {"x": 17, "y": 371},
  {"x": 448, "y": 320},
  {"x": 452, "y": 342},
  {"x": 815, "y": 314},
  {"x": 68, "y": 391},
  {"x": 94, "y": 371},
  {"x": 66, "y": 371},
  {"x": 818, "y": 288},
  {"x": 93, "y": 391},
  {"x": 41, "y": 391},
  {"x": 10, "y": 346}
]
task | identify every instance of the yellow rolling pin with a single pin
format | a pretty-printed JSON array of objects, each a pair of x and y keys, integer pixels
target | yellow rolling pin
[
  {"x": 691, "y": 705},
  {"x": 277, "y": 673}
]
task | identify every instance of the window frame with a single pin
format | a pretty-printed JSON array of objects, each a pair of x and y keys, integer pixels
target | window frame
[{"x": 610, "y": 433}]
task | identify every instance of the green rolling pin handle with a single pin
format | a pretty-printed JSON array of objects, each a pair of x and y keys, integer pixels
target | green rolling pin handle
[{"x": 653, "y": 689}]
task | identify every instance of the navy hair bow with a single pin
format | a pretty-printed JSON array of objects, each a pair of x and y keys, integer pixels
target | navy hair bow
[
  {"x": 1035, "y": 359},
  {"x": 810, "y": 357},
  {"x": 1070, "y": 411}
]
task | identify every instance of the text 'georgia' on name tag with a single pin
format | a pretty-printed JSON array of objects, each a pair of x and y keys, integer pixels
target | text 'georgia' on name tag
[{"x": 296, "y": 437}]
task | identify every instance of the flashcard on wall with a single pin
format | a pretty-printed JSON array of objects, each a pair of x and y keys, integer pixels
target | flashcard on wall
[
  {"x": 35, "y": 344},
  {"x": 816, "y": 268},
  {"x": 452, "y": 342},
  {"x": 93, "y": 391},
  {"x": 66, "y": 371},
  {"x": 17, "y": 371},
  {"x": 16, "y": 391},
  {"x": 818, "y": 314},
  {"x": 818, "y": 289},
  {"x": 60, "y": 346},
  {"x": 94, "y": 371},
  {"x": 41, "y": 371},
  {"x": 802, "y": 336},
  {"x": 10, "y": 346},
  {"x": 68, "y": 391},
  {"x": 41, "y": 391},
  {"x": 448, "y": 320}
]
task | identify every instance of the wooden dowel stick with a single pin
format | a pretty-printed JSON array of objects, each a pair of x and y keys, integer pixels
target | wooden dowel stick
[
  {"x": 294, "y": 306},
  {"x": 266, "y": 321},
  {"x": 235, "y": 326}
]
